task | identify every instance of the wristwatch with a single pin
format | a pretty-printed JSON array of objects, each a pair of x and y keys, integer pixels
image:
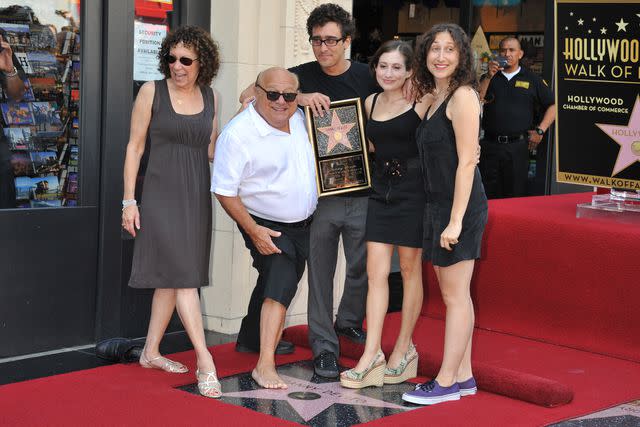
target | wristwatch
[{"x": 539, "y": 131}]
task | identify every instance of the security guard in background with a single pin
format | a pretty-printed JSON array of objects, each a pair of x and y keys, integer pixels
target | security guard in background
[{"x": 512, "y": 95}]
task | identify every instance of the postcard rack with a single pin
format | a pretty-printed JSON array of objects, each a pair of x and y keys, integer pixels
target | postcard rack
[{"x": 41, "y": 129}]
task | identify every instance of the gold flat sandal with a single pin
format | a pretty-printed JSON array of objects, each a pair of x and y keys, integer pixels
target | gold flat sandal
[
  {"x": 408, "y": 368},
  {"x": 166, "y": 365},
  {"x": 373, "y": 375},
  {"x": 210, "y": 386}
]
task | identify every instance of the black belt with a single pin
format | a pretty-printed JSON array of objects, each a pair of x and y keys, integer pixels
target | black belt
[
  {"x": 299, "y": 224},
  {"x": 507, "y": 139}
]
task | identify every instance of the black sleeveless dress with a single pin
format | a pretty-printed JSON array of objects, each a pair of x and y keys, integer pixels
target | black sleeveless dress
[
  {"x": 396, "y": 203},
  {"x": 173, "y": 244},
  {"x": 439, "y": 158}
]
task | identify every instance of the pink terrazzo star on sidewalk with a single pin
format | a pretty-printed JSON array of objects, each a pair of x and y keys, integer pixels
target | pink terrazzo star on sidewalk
[{"x": 330, "y": 394}]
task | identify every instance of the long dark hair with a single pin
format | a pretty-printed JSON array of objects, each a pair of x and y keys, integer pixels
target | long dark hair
[
  {"x": 464, "y": 74},
  {"x": 390, "y": 46}
]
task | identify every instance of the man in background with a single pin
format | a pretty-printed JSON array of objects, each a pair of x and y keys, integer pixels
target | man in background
[{"x": 512, "y": 96}]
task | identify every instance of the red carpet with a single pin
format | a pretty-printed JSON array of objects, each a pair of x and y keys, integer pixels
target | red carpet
[
  {"x": 130, "y": 395},
  {"x": 556, "y": 316},
  {"x": 521, "y": 369},
  {"x": 546, "y": 275}
]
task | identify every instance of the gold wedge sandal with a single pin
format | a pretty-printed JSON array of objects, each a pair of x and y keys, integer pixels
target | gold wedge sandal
[
  {"x": 373, "y": 375},
  {"x": 408, "y": 368}
]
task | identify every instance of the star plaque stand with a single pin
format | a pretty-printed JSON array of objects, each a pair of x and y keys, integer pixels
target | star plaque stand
[{"x": 619, "y": 205}]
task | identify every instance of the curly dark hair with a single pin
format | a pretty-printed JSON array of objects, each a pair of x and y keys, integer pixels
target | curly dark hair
[
  {"x": 330, "y": 12},
  {"x": 389, "y": 46},
  {"x": 195, "y": 38},
  {"x": 464, "y": 74}
]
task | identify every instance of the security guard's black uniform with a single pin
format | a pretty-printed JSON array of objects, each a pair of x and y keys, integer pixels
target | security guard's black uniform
[{"x": 509, "y": 112}]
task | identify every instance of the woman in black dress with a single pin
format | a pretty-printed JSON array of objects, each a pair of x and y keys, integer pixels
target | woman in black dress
[
  {"x": 456, "y": 203},
  {"x": 394, "y": 218},
  {"x": 171, "y": 253}
]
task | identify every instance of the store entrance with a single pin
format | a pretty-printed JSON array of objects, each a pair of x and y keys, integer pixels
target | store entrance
[{"x": 49, "y": 197}]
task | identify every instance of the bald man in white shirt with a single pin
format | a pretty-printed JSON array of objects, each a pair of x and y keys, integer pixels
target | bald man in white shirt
[{"x": 263, "y": 176}]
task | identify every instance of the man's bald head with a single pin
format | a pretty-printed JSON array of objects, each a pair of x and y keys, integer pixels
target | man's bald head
[
  {"x": 277, "y": 113},
  {"x": 277, "y": 73}
]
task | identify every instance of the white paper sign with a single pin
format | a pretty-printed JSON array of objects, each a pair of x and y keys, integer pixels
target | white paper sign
[{"x": 146, "y": 44}]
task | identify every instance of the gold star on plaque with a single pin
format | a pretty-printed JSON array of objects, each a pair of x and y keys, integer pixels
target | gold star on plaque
[
  {"x": 337, "y": 132},
  {"x": 603, "y": 30},
  {"x": 580, "y": 21},
  {"x": 622, "y": 26}
]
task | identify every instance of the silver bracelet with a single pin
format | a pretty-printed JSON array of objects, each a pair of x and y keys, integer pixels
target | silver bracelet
[
  {"x": 12, "y": 73},
  {"x": 128, "y": 202}
]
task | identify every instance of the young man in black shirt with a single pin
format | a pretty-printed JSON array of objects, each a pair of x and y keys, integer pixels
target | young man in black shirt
[
  {"x": 512, "y": 96},
  {"x": 331, "y": 78}
]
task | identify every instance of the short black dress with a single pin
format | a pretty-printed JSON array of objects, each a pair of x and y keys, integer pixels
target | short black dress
[
  {"x": 439, "y": 158},
  {"x": 396, "y": 202}
]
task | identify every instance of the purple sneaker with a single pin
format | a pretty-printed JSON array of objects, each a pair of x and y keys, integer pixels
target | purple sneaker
[
  {"x": 431, "y": 393},
  {"x": 468, "y": 387}
]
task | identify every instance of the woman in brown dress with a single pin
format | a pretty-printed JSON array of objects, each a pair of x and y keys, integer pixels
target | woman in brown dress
[{"x": 173, "y": 228}]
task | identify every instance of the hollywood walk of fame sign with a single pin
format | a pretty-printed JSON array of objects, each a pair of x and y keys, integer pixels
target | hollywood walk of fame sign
[
  {"x": 312, "y": 400},
  {"x": 340, "y": 148},
  {"x": 598, "y": 93}
]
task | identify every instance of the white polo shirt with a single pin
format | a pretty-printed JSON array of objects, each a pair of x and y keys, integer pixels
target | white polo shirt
[{"x": 273, "y": 172}]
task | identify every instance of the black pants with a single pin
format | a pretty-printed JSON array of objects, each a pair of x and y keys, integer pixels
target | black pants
[
  {"x": 278, "y": 275},
  {"x": 504, "y": 168}
]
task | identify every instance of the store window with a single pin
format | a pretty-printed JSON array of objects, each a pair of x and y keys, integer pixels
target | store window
[{"x": 40, "y": 141}]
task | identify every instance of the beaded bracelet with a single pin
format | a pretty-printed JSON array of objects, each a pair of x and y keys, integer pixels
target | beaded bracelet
[{"x": 128, "y": 202}]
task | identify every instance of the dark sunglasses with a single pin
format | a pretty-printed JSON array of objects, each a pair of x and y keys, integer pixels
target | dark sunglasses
[
  {"x": 183, "y": 60},
  {"x": 274, "y": 96}
]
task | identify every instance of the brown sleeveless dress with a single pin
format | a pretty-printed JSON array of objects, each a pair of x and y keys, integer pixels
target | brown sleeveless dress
[{"x": 173, "y": 244}]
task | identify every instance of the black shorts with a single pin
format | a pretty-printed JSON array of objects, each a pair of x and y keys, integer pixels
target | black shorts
[{"x": 279, "y": 274}]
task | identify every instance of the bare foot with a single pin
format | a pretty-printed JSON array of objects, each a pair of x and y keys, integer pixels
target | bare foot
[{"x": 267, "y": 377}]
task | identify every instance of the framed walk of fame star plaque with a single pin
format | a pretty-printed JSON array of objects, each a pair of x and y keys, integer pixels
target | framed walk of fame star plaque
[{"x": 340, "y": 148}]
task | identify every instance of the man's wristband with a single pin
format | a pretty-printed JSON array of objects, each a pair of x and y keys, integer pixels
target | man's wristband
[{"x": 12, "y": 73}]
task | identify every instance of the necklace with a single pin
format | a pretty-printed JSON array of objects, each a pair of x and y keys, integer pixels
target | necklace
[{"x": 181, "y": 101}]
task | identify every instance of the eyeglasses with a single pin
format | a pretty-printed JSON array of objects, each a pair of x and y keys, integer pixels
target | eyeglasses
[
  {"x": 274, "y": 96},
  {"x": 330, "y": 42},
  {"x": 183, "y": 60}
]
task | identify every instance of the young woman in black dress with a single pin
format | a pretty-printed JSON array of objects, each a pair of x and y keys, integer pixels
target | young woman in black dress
[
  {"x": 456, "y": 203},
  {"x": 394, "y": 218}
]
